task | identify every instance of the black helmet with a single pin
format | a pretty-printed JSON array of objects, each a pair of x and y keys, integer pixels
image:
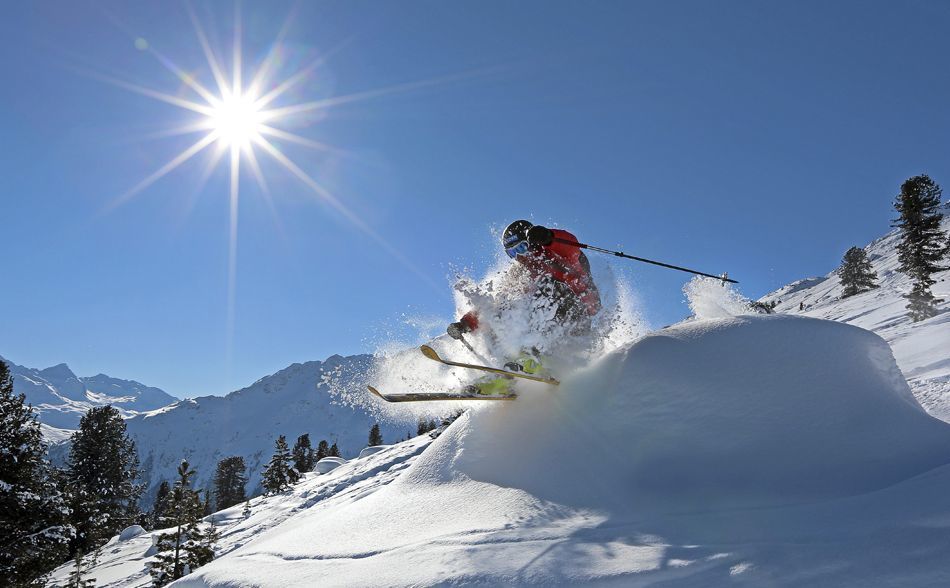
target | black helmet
[
  {"x": 516, "y": 231},
  {"x": 515, "y": 238}
]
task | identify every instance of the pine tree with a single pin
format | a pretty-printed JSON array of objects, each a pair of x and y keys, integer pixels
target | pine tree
[
  {"x": 422, "y": 427},
  {"x": 157, "y": 508},
  {"x": 81, "y": 566},
  {"x": 230, "y": 481},
  {"x": 34, "y": 527},
  {"x": 856, "y": 273},
  {"x": 187, "y": 547},
  {"x": 246, "y": 513},
  {"x": 101, "y": 477},
  {"x": 451, "y": 418},
  {"x": 334, "y": 451},
  {"x": 923, "y": 245},
  {"x": 277, "y": 475},
  {"x": 323, "y": 450},
  {"x": 375, "y": 437},
  {"x": 303, "y": 454}
]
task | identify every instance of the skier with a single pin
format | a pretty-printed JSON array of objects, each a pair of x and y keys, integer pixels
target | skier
[{"x": 562, "y": 281}]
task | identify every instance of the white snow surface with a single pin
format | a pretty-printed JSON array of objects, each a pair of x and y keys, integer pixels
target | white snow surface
[
  {"x": 769, "y": 450},
  {"x": 122, "y": 562}
]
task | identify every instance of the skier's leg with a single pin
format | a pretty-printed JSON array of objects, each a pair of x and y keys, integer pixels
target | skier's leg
[{"x": 491, "y": 386}]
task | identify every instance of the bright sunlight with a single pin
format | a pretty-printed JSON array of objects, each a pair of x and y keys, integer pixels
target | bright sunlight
[{"x": 236, "y": 120}]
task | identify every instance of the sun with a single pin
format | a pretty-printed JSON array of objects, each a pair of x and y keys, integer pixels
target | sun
[{"x": 236, "y": 120}]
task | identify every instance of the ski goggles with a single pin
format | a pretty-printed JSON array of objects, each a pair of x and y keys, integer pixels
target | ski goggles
[{"x": 517, "y": 248}]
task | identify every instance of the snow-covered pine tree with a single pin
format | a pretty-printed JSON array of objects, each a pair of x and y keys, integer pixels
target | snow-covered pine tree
[
  {"x": 422, "y": 427},
  {"x": 211, "y": 537},
  {"x": 246, "y": 513},
  {"x": 101, "y": 475},
  {"x": 303, "y": 454},
  {"x": 923, "y": 245},
  {"x": 334, "y": 451},
  {"x": 187, "y": 547},
  {"x": 230, "y": 481},
  {"x": 375, "y": 437},
  {"x": 323, "y": 450},
  {"x": 451, "y": 418},
  {"x": 81, "y": 565},
  {"x": 856, "y": 273},
  {"x": 34, "y": 520},
  {"x": 157, "y": 508},
  {"x": 277, "y": 476}
]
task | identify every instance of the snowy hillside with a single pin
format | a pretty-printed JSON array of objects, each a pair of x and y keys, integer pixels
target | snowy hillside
[
  {"x": 246, "y": 422},
  {"x": 122, "y": 562},
  {"x": 60, "y": 397},
  {"x": 922, "y": 350},
  {"x": 759, "y": 450}
]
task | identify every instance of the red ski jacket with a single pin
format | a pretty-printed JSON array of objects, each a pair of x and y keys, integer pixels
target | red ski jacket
[{"x": 564, "y": 263}]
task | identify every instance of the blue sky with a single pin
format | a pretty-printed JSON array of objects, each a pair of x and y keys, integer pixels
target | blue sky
[{"x": 762, "y": 138}]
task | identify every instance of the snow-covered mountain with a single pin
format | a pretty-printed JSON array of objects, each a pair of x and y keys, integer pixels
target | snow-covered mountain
[
  {"x": 60, "y": 397},
  {"x": 922, "y": 349},
  {"x": 246, "y": 422},
  {"x": 753, "y": 450}
]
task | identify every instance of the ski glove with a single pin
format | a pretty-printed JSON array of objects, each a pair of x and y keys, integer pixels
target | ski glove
[
  {"x": 456, "y": 330},
  {"x": 540, "y": 236}
]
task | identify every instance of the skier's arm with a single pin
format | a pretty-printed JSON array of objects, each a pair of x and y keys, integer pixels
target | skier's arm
[
  {"x": 556, "y": 246},
  {"x": 467, "y": 324}
]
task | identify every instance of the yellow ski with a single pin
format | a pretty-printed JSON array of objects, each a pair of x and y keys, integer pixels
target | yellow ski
[
  {"x": 433, "y": 355},
  {"x": 426, "y": 397}
]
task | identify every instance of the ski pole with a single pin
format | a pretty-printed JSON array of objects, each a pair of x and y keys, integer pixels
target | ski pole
[
  {"x": 472, "y": 349},
  {"x": 724, "y": 277}
]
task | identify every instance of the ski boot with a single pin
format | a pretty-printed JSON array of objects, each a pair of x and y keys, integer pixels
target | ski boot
[
  {"x": 529, "y": 362},
  {"x": 491, "y": 386}
]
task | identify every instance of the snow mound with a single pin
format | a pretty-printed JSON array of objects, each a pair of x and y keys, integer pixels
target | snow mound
[
  {"x": 755, "y": 432},
  {"x": 366, "y": 452},
  {"x": 741, "y": 411},
  {"x": 328, "y": 464},
  {"x": 131, "y": 532}
]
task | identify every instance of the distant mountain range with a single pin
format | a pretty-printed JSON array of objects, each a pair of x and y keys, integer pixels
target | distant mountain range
[
  {"x": 60, "y": 397},
  {"x": 291, "y": 402}
]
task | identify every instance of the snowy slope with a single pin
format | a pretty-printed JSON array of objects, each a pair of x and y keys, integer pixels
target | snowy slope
[
  {"x": 922, "y": 349},
  {"x": 246, "y": 422},
  {"x": 122, "y": 562},
  {"x": 757, "y": 450},
  {"x": 60, "y": 397}
]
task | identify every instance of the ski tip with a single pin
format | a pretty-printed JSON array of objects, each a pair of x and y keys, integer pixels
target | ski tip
[
  {"x": 374, "y": 391},
  {"x": 429, "y": 352}
]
